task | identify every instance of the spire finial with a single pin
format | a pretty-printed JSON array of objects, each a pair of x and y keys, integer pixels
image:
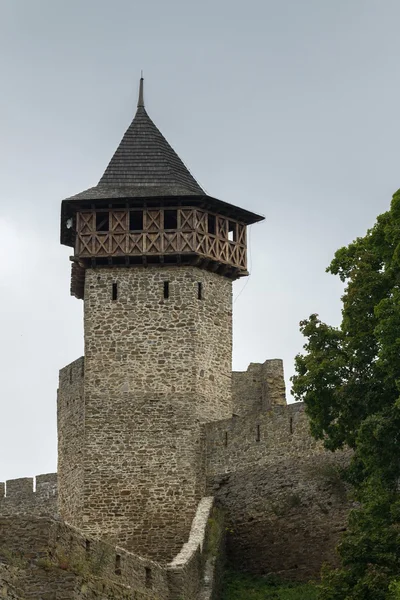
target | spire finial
[{"x": 141, "y": 97}]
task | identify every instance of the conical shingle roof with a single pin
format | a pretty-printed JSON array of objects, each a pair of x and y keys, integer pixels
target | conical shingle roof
[
  {"x": 144, "y": 164},
  {"x": 145, "y": 159}
]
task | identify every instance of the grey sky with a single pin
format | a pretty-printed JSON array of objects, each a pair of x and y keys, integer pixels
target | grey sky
[{"x": 286, "y": 107}]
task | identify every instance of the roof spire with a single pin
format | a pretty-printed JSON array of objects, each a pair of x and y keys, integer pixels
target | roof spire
[{"x": 141, "y": 97}]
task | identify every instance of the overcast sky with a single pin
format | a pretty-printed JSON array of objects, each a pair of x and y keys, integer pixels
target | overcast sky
[{"x": 288, "y": 108}]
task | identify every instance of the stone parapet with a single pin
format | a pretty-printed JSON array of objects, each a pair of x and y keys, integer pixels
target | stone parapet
[
  {"x": 68, "y": 558},
  {"x": 258, "y": 438},
  {"x": 40, "y": 555},
  {"x": 281, "y": 490},
  {"x": 191, "y": 574},
  {"x": 260, "y": 388},
  {"x": 27, "y": 496}
]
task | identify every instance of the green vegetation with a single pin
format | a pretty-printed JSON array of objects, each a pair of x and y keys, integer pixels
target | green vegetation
[
  {"x": 240, "y": 586},
  {"x": 215, "y": 532},
  {"x": 349, "y": 379}
]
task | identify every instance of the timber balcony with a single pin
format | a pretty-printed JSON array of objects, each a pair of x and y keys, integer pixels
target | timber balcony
[{"x": 166, "y": 235}]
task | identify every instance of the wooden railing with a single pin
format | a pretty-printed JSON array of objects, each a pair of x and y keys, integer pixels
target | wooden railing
[{"x": 106, "y": 234}]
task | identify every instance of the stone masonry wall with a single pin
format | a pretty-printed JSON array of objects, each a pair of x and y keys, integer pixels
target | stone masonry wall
[
  {"x": 188, "y": 571},
  {"x": 27, "y": 583},
  {"x": 48, "y": 559},
  {"x": 259, "y": 388},
  {"x": 71, "y": 435},
  {"x": 285, "y": 502},
  {"x": 54, "y": 560},
  {"x": 17, "y": 496},
  {"x": 259, "y": 439},
  {"x": 155, "y": 369}
]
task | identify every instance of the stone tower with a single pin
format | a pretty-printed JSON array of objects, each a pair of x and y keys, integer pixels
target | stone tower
[{"x": 154, "y": 261}]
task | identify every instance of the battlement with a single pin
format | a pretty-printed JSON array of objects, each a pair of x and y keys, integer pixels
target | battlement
[
  {"x": 29, "y": 496},
  {"x": 260, "y": 388},
  {"x": 279, "y": 486},
  {"x": 59, "y": 547},
  {"x": 197, "y": 564},
  {"x": 73, "y": 373},
  {"x": 71, "y": 428},
  {"x": 258, "y": 438}
]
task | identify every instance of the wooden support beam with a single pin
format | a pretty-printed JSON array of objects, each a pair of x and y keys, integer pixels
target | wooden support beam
[
  {"x": 223, "y": 269},
  {"x": 214, "y": 266}
]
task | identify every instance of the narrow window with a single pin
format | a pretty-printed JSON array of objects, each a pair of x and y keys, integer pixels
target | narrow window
[
  {"x": 87, "y": 546},
  {"x": 102, "y": 221},
  {"x": 136, "y": 220},
  {"x": 226, "y": 439},
  {"x": 149, "y": 578},
  {"x": 199, "y": 291},
  {"x": 170, "y": 219},
  {"x": 70, "y": 375},
  {"x": 118, "y": 564},
  {"x": 291, "y": 425},
  {"x": 166, "y": 289},
  {"x": 232, "y": 231},
  {"x": 114, "y": 291},
  {"x": 258, "y": 438},
  {"x": 211, "y": 224}
]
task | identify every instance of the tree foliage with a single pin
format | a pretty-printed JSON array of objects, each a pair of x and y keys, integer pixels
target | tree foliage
[{"x": 349, "y": 379}]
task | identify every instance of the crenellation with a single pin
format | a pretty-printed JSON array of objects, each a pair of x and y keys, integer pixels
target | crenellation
[
  {"x": 260, "y": 388},
  {"x": 21, "y": 497},
  {"x": 46, "y": 485},
  {"x": 70, "y": 424},
  {"x": 258, "y": 438},
  {"x": 274, "y": 389},
  {"x": 19, "y": 488}
]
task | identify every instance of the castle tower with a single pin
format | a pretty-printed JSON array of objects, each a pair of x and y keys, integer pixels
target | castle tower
[{"x": 154, "y": 260}]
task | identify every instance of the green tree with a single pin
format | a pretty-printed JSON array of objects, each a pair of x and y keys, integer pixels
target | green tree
[{"x": 349, "y": 379}]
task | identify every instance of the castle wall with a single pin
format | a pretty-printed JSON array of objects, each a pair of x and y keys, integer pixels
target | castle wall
[
  {"x": 49, "y": 556},
  {"x": 17, "y": 496},
  {"x": 259, "y": 388},
  {"x": 193, "y": 573},
  {"x": 46, "y": 558},
  {"x": 155, "y": 369},
  {"x": 285, "y": 502},
  {"x": 71, "y": 437}
]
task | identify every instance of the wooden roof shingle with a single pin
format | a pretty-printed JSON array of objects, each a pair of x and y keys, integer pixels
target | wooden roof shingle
[{"x": 144, "y": 164}]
